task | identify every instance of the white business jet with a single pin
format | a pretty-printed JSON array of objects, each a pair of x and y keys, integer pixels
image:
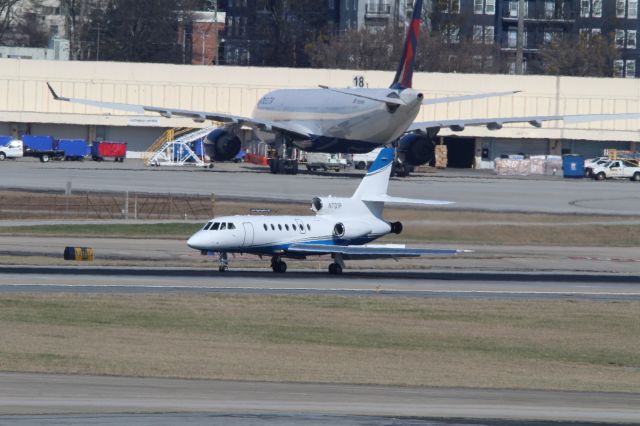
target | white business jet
[
  {"x": 342, "y": 227},
  {"x": 350, "y": 121}
]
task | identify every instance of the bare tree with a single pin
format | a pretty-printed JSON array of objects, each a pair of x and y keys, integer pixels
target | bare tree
[
  {"x": 6, "y": 15},
  {"x": 587, "y": 56}
]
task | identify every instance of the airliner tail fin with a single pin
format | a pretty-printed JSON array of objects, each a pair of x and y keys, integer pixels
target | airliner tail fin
[{"x": 404, "y": 74}]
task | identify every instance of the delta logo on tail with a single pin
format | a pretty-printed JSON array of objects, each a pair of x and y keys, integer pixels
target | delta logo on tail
[{"x": 404, "y": 75}]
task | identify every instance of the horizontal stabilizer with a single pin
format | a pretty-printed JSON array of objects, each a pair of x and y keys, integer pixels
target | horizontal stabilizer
[
  {"x": 467, "y": 97},
  {"x": 391, "y": 98},
  {"x": 384, "y": 198},
  {"x": 370, "y": 252}
]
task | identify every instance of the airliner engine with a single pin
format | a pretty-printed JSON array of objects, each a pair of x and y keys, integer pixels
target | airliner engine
[
  {"x": 417, "y": 148},
  {"x": 351, "y": 229},
  {"x": 222, "y": 145}
]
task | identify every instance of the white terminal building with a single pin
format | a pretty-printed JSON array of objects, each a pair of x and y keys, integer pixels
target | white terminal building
[{"x": 26, "y": 106}]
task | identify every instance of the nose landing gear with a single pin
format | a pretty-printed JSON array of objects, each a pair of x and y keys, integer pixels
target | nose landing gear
[{"x": 224, "y": 262}]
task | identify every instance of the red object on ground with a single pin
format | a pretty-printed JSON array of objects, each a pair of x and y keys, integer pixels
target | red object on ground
[{"x": 111, "y": 149}]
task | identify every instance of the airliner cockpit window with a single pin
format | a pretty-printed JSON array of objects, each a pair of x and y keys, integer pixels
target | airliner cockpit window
[
  {"x": 223, "y": 226},
  {"x": 231, "y": 226},
  {"x": 208, "y": 225},
  {"x": 215, "y": 226}
]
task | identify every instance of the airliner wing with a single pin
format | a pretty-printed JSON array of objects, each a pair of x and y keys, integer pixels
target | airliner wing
[
  {"x": 371, "y": 251},
  {"x": 199, "y": 116},
  {"x": 536, "y": 121},
  {"x": 467, "y": 97}
]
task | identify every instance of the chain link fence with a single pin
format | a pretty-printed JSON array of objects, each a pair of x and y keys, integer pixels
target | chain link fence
[{"x": 104, "y": 205}]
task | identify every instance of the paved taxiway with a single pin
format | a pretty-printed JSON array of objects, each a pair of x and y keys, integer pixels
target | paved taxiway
[
  {"x": 475, "y": 190},
  {"x": 498, "y": 285},
  {"x": 56, "y": 394}
]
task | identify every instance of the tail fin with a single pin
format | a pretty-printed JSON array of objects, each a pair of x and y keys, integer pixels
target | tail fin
[
  {"x": 404, "y": 75},
  {"x": 376, "y": 182}
]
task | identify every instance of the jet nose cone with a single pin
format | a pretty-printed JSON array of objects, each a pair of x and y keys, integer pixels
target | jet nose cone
[{"x": 196, "y": 241}]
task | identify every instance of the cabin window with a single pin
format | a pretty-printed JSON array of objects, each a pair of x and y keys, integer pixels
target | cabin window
[
  {"x": 308, "y": 227},
  {"x": 208, "y": 225},
  {"x": 280, "y": 227},
  {"x": 231, "y": 226},
  {"x": 273, "y": 228},
  {"x": 265, "y": 226},
  {"x": 294, "y": 227},
  {"x": 223, "y": 226},
  {"x": 215, "y": 226},
  {"x": 286, "y": 226}
]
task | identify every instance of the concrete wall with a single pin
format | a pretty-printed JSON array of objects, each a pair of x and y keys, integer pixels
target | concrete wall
[{"x": 24, "y": 97}]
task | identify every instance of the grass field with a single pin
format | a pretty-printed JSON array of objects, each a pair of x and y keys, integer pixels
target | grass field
[{"x": 570, "y": 345}]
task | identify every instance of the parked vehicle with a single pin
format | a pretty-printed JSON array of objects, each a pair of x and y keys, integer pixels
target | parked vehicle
[
  {"x": 323, "y": 161},
  {"x": 590, "y": 163},
  {"x": 107, "y": 149},
  {"x": 617, "y": 169},
  {"x": 17, "y": 149},
  {"x": 364, "y": 161},
  {"x": 74, "y": 149}
]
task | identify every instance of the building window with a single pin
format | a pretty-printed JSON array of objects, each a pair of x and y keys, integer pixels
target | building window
[
  {"x": 490, "y": 7},
  {"x": 488, "y": 34},
  {"x": 477, "y": 33},
  {"x": 454, "y": 34},
  {"x": 477, "y": 62},
  {"x": 631, "y": 39},
  {"x": 630, "y": 71},
  {"x": 620, "y": 8},
  {"x": 632, "y": 10},
  {"x": 513, "y": 9},
  {"x": 597, "y": 8},
  {"x": 548, "y": 36},
  {"x": 512, "y": 38},
  {"x": 478, "y": 6},
  {"x": 618, "y": 68},
  {"x": 549, "y": 9},
  {"x": 620, "y": 39},
  {"x": 584, "y": 8}
]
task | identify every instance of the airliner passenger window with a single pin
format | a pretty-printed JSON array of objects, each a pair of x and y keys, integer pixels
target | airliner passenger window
[
  {"x": 223, "y": 226},
  {"x": 215, "y": 226},
  {"x": 208, "y": 225},
  {"x": 265, "y": 226},
  {"x": 273, "y": 228},
  {"x": 231, "y": 226},
  {"x": 294, "y": 227},
  {"x": 280, "y": 227},
  {"x": 308, "y": 227},
  {"x": 286, "y": 226}
]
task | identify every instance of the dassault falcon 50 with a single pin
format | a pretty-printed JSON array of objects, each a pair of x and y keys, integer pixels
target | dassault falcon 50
[
  {"x": 342, "y": 227},
  {"x": 351, "y": 120}
]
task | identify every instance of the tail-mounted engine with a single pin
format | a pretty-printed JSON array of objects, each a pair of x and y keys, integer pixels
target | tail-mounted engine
[
  {"x": 222, "y": 145},
  {"x": 418, "y": 148},
  {"x": 351, "y": 229}
]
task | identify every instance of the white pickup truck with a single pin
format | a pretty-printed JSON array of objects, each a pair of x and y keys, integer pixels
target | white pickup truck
[
  {"x": 617, "y": 169},
  {"x": 16, "y": 149},
  {"x": 322, "y": 161}
]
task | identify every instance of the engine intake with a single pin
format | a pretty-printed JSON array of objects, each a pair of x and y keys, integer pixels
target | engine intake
[
  {"x": 351, "y": 229},
  {"x": 222, "y": 145}
]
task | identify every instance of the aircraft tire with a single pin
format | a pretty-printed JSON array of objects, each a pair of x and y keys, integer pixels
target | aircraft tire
[
  {"x": 280, "y": 267},
  {"x": 335, "y": 269}
]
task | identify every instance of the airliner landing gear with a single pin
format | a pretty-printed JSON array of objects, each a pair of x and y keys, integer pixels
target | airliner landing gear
[
  {"x": 224, "y": 262},
  {"x": 281, "y": 162},
  {"x": 335, "y": 269},
  {"x": 278, "y": 266},
  {"x": 338, "y": 263}
]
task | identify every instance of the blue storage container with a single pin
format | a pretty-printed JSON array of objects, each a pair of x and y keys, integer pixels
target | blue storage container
[
  {"x": 73, "y": 148},
  {"x": 5, "y": 140},
  {"x": 38, "y": 143},
  {"x": 572, "y": 166}
]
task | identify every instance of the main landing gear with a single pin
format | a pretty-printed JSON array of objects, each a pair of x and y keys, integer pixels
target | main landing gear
[
  {"x": 281, "y": 162},
  {"x": 224, "y": 262},
  {"x": 278, "y": 266},
  {"x": 338, "y": 264}
]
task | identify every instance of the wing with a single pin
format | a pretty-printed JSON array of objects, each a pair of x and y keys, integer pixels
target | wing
[
  {"x": 199, "y": 116},
  {"x": 371, "y": 251},
  {"x": 384, "y": 198},
  {"x": 467, "y": 97},
  {"x": 535, "y": 121}
]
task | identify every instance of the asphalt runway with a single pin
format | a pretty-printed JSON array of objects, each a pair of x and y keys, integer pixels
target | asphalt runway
[
  {"x": 494, "y": 285},
  {"x": 470, "y": 190},
  {"x": 56, "y": 397}
]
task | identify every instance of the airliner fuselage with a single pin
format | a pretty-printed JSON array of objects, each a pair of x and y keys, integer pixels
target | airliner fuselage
[{"x": 339, "y": 122}]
